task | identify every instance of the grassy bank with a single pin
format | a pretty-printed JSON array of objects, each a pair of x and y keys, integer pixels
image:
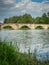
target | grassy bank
[{"x": 10, "y": 55}]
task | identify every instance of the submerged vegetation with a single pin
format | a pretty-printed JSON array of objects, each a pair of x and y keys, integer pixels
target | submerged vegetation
[{"x": 10, "y": 55}]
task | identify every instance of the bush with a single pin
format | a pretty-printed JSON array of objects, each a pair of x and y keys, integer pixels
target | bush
[{"x": 8, "y": 55}]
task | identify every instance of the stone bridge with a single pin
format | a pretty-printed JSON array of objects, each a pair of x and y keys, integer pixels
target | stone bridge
[{"x": 18, "y": 26}]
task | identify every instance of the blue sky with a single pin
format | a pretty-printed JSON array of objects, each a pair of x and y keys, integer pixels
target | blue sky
[
  {"x": 37, "y": 0},
  {"x": 9, "y": 8},
  {"x": 31, "y": 0}
]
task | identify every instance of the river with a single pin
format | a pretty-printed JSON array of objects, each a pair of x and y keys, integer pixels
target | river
[{"x": 28, "y": 39}]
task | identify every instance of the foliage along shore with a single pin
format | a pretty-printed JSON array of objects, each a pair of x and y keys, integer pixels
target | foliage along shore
[
  {"x": 27, "y": 18},
  {"x": 10, "y": 55}
]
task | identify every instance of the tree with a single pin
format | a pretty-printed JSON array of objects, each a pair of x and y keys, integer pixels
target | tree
[
  {"x": 5, "y": 20},
  {"x": 38, "y": 20},
  {"x": 27, "y": 18},
  {"x": 48, "y": 14},
  {"x": 45, "y": 18}
]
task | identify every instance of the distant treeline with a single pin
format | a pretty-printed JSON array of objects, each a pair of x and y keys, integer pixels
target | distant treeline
[{"x": 27, "y": 18}]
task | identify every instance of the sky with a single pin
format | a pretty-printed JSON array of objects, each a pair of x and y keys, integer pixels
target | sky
[{"x": 9, "y": 8}]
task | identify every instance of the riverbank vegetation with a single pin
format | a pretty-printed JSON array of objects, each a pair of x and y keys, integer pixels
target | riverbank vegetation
[
  {"x": 27, "y": 18},
  {"x": 10, "y": 55}
]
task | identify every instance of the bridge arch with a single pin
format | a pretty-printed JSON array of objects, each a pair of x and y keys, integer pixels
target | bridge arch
[
  {"x": 30, "y": 26},
  {"x": 24, "y": 27},
  {"x": 10, "y": 26},
  {"x": 7, "y": 27},
  {"x": 39, "y": 27},
  {"x": 48, "y": 27}
]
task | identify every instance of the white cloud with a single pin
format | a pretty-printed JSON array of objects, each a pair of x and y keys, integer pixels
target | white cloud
[
  {"x": 28, "y": 5},
  {"x": 22, "y": 3},
  {"x": 26, "y": 1},
  {"x": 8, "y": 7},
  {"x": 45, "y": 2},
  {"x": 8, "y": 1},
  {"x": 34, "y": 7},
  {"x": 24, "y": 11},
  {"x": 19, "y": 5},
  {"x": 45, "y": 6}
]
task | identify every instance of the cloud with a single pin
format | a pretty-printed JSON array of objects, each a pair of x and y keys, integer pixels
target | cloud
[
  {"x": 46, "y": 1},
  {"x": 8, "y": 1},
  {"x": 34, "y": 7},
  {"x": 19, "y": 5},
  {"x": 12, "y": 7},
  {"x": 6, "y": 5}
]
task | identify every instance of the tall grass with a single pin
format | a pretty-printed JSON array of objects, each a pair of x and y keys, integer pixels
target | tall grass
[{"x": 11, "y": 56}]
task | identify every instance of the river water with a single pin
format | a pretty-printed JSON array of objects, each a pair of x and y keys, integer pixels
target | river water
[{"x": 28, "y": 39}]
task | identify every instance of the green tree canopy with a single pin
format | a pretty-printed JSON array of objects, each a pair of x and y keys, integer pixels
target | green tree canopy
[{"x": 27, "y": 18}]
